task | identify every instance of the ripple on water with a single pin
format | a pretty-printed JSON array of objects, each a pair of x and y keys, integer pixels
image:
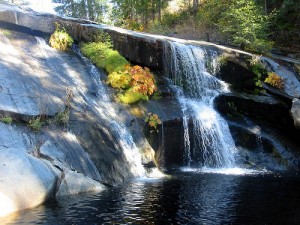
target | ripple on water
[{"x": 226, "y": 171}]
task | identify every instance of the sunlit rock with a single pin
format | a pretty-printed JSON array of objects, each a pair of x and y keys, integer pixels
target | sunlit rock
[
  {"x": 295, "y": 112},
  {"x": 75, "y": 183}
]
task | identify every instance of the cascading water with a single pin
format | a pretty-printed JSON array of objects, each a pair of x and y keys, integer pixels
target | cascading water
[
  {"x": 207, "y": 138},
  {"x": 102, "y": 105}
]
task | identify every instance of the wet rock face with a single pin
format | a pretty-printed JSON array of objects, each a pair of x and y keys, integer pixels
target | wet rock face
[
  {"x": 139, "y": 50},
  {"x": 295, "y": 112},
  {"x": 239, "y": 77},
  {"x": 168, "y": 144},
  {"x": 260, "y": 148},
  {"x": 266, "y": 108},
  {"x": 102, "y": 148}
]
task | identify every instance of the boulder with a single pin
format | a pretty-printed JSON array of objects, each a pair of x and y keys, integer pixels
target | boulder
[
  {"x": 64, "y": 151},
  {"x": 291, "y": 87},
  {"x": 75, "y": 183},
  {"x": 295, "y": 112},
  {"x": 25, "y": 181},
  {"x": 31, "y": 173}
]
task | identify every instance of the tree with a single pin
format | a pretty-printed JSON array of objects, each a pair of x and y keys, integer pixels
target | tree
[
  {"x": 135, "y": 14},
  {"x": 87, "y": 9},
  {"x": 246, "y": 25}
]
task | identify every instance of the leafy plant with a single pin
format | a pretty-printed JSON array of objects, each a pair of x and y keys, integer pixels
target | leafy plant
[
  {"x": 6, "y": 119},
  {"x": 259, "y": 70},
  {"x": 120, "y": 80},
  {"x": 103, "y": 38},
  {"x": 62, "y": 117},
  {"x": 35, "y": 124},
  {"x": 153, "y": 121},
  {"x": 275, "y": 80},
  {"x": 142, "y": 80},
  {"x": 60, "y": 39},
  {"x": 114, "y": 61},
  {"x": 138, "y": 82},
  {"x": 257, "y": 67}
]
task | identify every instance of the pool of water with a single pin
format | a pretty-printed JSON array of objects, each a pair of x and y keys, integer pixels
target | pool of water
[{"x": 188, "y": 197}]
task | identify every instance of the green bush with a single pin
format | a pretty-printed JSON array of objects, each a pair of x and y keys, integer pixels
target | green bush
[
  {"x": 130, "y": 97},
  {"x": 60, "y": 39},
  {"x": 104, "y": 56},
  {"x": 137, "y": 82},
  {"x": 159, "y": 28}
]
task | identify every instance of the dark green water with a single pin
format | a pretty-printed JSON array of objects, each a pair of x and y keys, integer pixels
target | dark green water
[{"x": 186, "y": 198}]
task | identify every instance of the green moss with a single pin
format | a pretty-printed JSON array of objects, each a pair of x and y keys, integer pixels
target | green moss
[
  {"x": 156, "y": 96},
  {"x": 223, "y": 59},
  {"x": 130, "y": 97},
  {"x": 6, "y": 119},
  {"x": 114, "y": 62},
  {"x": 104, "y": 57}
]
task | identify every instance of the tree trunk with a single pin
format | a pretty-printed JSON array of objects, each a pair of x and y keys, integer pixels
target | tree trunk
[
  {"x": 195, "y": 5},
  {"x": 153, "y": 10},
  {"x": 159, "y": 10}
]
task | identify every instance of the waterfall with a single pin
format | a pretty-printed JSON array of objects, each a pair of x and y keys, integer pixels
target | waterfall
[
  {"x": 101, "y": 105},
  {"x": 207, "y": 139}
]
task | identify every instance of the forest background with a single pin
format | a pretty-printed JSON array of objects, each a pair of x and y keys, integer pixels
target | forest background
[{"x": 253, "y": 25}]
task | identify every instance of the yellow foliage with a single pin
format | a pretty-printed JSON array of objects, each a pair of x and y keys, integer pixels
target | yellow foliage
[
  {"x": 138, "y": 82},
  {"x": 130, "y": 97},
  {"x": 275, "y": 80},
  {"x": 153, "y": 121},
  {"x": 60, "y": 39},
  {"x": 138, "y": 112},
  {"x": 119, "y": 79}
]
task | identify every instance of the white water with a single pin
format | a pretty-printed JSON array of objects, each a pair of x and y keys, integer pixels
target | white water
[
  {"x": 225, "y": 171},
  {"x": 211, "y": 144},
  {"x": 102, "y": 105}
]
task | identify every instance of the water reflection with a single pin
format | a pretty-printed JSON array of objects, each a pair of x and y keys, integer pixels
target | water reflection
[{"x": 187, "y": 198}]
